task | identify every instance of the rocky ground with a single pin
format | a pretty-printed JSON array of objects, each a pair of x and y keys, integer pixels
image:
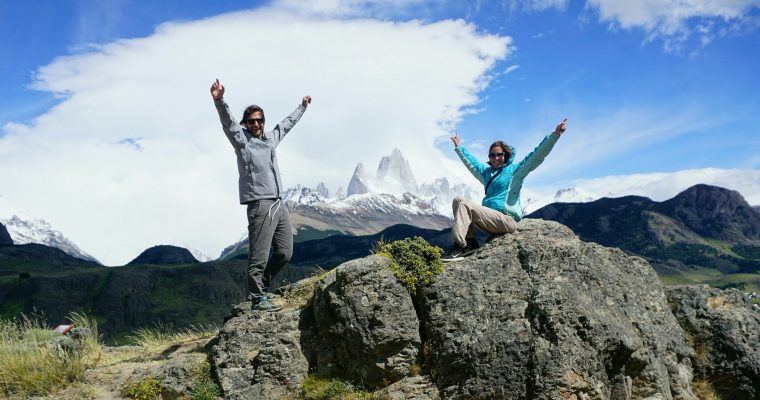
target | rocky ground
[
  {"x": 535, "y": 315},
  {"x": 173, "y": 364}
]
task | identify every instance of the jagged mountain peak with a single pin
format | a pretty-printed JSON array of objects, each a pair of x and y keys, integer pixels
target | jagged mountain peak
[
  {"x": 302, "y": 195},
  {"x": 39, "y": 231},
  {"x": 5, "y": 237},
  {"x": 358, "y": 183},
  {"x": 395, "y": 169}
]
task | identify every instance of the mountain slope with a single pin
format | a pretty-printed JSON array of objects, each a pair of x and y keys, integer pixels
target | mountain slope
[
  {"x": 704, "y": 226},
  {"x": 314, "y": 217},
  {"x": 39, "y": 231},
  {"x": 5, "y": 237}
]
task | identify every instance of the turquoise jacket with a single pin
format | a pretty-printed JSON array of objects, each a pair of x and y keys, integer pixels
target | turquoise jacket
[{"x": 503, "y": 193}]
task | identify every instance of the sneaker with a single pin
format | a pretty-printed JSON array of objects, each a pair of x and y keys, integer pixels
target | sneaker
[
  {"x": 472, "y": 243},
  {"x": 263, "y": 304},
  {"x": 456, "y": 253}
]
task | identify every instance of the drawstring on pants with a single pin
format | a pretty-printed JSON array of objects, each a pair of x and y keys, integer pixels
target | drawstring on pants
[{"x": 269, "y": 212}]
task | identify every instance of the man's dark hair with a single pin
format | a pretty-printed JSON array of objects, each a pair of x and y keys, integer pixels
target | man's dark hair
[
  {"x": 504, "y": 147},
  {"x": 250, "y": 110}
]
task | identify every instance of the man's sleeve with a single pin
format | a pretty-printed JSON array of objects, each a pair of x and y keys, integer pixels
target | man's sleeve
[
  {"x": 231, "y": 128},
  {"x": 282, "y": 129}
]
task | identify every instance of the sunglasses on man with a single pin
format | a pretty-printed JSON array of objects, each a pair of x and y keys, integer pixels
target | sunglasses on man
[{"x": 250, "y": 121}]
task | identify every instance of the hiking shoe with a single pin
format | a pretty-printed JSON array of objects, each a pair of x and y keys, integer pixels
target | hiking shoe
[
  {"x": 264, "y": 304},
  {"x": 456, "y": 253}
]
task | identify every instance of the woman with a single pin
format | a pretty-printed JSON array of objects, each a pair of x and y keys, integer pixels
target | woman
[{"x": 502, "y": 178}]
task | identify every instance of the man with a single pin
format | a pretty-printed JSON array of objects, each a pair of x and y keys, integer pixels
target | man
[{"x": 260, "y": 189}]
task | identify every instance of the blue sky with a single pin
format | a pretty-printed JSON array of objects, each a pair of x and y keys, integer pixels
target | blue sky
[{"x": 110, "y": 98}]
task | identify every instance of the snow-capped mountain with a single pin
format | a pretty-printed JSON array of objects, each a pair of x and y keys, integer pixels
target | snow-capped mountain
[
  {"x": 360, "y": 214},
  {"x": 393, "y": 175},
  {"x": 566, "y": 195},
  {"x": 440, "y": 194},
  {"x": 25, "y": 231}
]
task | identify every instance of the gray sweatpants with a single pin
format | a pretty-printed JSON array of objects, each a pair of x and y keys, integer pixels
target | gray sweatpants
[
  {"x": 268, "y": 227},
  {"x": 468, "y": 215}
]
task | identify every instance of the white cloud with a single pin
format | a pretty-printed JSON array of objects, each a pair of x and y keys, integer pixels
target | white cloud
[
  {"x": 349, "y": 8},
  {"x": 511, "y": 69},
  {"x": 669, "y": 19},
  {"x": 134, "y": 156}
]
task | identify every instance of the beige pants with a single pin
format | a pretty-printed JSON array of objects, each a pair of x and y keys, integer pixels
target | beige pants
[{"x": 467, "y": 215}]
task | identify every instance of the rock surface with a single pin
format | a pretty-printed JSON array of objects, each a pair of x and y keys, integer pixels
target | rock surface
[
  {"x": 366, "y": 328},
  {"x": 258, "y": 354},
  {"x": 535, "y": 315},
  {"x": 543, "y": 315},
  {"x": 5, "y": 237},
  {"x": 726, "y": 335}
]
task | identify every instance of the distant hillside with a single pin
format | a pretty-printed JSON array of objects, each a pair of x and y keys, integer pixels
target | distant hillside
[
  {"x": 704, "y": 226},
  {"x": 133, "y": 296},
  {"x": 165, "y": 254}
]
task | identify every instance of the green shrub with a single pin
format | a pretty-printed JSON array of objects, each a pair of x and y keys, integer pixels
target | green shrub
[
  {"x": 414, "y": 261},
  {"x": 204, "y": 388},
  {"x": 315, "y": 388},
  {"x": 146, "y": 389}
]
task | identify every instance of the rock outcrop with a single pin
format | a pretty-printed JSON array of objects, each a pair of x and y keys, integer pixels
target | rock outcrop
[
  {"x": 725, "y": 334},
  {"x": 165, "y": 254},
  {"x": 543, "y": 315},
  {"x": 535, "y": 315},
  {"x": 5, "y": 237}
]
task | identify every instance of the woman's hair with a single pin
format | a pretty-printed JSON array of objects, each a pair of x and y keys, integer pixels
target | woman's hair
[
  {"x": 504, "y": 147},
  {"x": 250, "y": 110}
]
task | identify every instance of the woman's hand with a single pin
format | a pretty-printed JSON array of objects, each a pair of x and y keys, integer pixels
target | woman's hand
[
  {"x": 560, "y": 129},
  {"x": 455, "y": 139},
  {"x": 306, "y": 101},
  {"x": 217, "y": 90}
]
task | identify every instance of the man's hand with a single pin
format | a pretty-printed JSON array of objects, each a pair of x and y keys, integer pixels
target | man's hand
[
  {"x": 455, "y": 139},
  {"x": 560, "y": 129},
  {"x": 306, "y": 101},
  {"x": 217, "y": 90}
]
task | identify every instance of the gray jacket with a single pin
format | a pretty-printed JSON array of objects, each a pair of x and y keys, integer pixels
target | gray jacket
[{"x": 256, "y": 158}]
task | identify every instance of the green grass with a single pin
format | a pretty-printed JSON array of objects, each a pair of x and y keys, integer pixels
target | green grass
[
  {"x": 319, "y": 388},
  {"x": 31, "y": 365},
  {"x": 161, "y": 335},
  {"x": 745, "y": 282}
]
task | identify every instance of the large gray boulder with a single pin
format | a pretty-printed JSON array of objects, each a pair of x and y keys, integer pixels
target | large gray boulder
[
  {"x": 543, "y": 315},
  {"x": 535, "y": 315},
  {"x": 725, "y": 331},
  {"x": 366, "y": 325},
  {"x": 257, "y": 355}
]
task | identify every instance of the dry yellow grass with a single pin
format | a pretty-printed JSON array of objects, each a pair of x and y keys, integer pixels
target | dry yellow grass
[{"x": 32, "y": 365}]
